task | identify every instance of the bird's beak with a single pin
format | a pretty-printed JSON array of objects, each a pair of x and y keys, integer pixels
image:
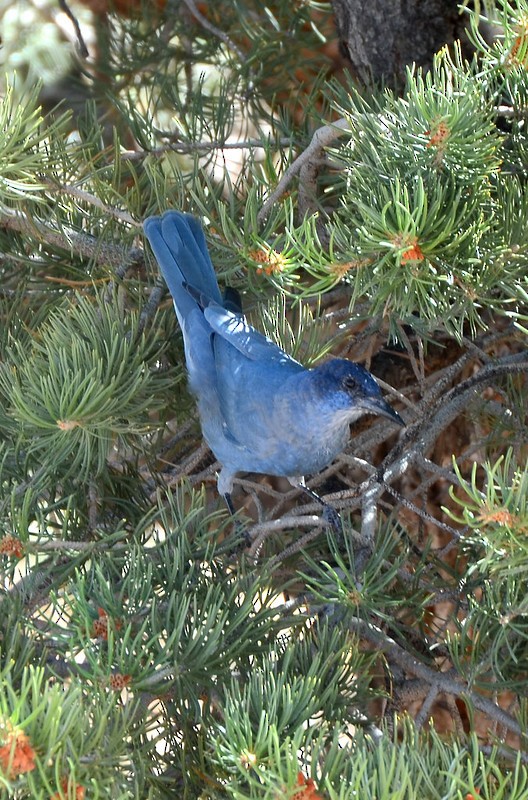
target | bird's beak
[{"x": 377, "y": 405}]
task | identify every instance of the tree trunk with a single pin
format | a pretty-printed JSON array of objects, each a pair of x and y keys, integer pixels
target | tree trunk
[{"x": 380, "y": 37}]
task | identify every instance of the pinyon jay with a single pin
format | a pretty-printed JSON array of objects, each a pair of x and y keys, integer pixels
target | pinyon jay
[{"x": 261, "y": 411}]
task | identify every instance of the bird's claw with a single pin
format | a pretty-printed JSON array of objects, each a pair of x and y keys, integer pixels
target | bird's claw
[{"x": 333, "y": 518}]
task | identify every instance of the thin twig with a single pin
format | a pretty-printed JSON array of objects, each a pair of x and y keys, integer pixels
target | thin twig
[
  {"x": 93, "y": 200},
  {"x": 423, "y": 714},
  {"x": 189, "y": 464},
  {"x": 415, "y": 441},
  {"x": 456, "y": 534},
  {"x": 208, "y": 26},
  {"x": 321, "y": 138},
  {"x": 455, "y": 715},
  {"x": 298, "y": 545},
  {"x": 75, "y": 22},
  {"x": 81, "y": 244},
  {"x": 151, "y": 306},
  {"x": 263, "y": 530},
  {"x": 446, "y": 682},
  {"x": 197, "y": 147}
]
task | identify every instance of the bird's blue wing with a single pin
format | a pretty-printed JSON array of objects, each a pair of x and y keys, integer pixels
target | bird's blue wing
[
  {"x": 249, "y": 367},
  {"x": 234, "y": 329},
  {"x": 250, "y": 371}
]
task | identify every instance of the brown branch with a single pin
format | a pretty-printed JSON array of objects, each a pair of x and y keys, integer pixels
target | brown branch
[
  {"x": 208, "y": 26},
  {"x": 80, "y": 244},
  {"x": 321, "y": 139},
  {"x": 91, "y": 199},
  {"x": 265, "y": 529},
  {"x": 196, "y": 147},
  {"x": 446, "y": 682}
]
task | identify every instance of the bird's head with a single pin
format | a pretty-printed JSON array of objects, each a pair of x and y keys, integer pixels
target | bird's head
[{"x": 351, "y": 389}]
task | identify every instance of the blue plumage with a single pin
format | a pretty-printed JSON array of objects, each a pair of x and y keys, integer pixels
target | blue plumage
[{"x": 261, "y": 411}]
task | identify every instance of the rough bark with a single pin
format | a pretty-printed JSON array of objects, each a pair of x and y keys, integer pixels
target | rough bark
[{"x": 380, "y": 37}]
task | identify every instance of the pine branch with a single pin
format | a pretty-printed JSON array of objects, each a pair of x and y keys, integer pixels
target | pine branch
[
  {"x": 144, "y": 644},
  {"x": 306, "y": 166},
  {"x": 189, "y": 148},
  {"x": 448, "y": 683},
  {"x": 81, "y": 244}
]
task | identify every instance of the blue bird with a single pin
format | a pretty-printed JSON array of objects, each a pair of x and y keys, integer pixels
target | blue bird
[{"x": 260, "y": 409}]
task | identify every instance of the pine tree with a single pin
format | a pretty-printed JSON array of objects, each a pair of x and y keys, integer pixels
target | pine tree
[{"x": 150, "y": 645}]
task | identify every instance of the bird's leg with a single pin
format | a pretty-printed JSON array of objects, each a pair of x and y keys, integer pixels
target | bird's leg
[
  {"x": 240, "y": 530},
  {"x": 225, "y": 485},
  {"x": 329, "y": 513},
  {"x": 229, "y": 503}
]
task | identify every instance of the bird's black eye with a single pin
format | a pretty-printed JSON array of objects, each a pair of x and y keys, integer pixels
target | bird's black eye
[{"x": 350, "y": 384}]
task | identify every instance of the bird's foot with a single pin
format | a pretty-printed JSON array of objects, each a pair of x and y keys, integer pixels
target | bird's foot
[
  {"x": 332, "y": 517},
  {"x": 329, "y": 514}
]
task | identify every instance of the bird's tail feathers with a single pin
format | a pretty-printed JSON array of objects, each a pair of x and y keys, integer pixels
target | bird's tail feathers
[{"x": 179, "y": 245}]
